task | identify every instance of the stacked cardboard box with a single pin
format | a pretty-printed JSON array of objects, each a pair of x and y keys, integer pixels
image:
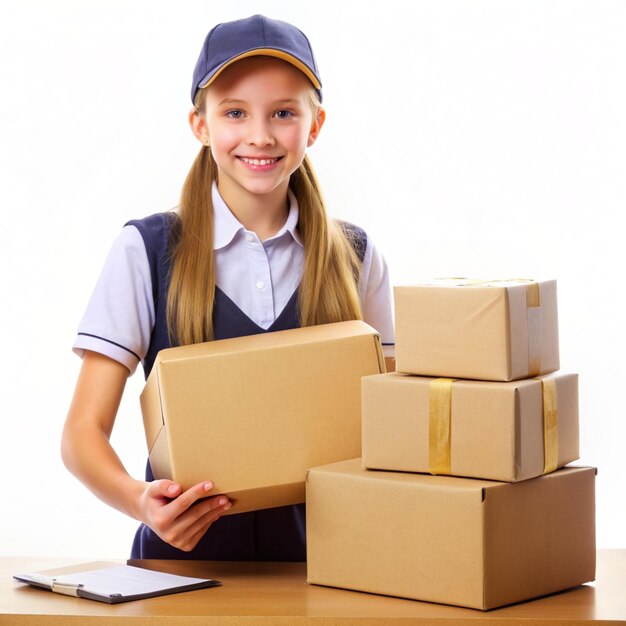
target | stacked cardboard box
[{"x": 502, "y": 413}]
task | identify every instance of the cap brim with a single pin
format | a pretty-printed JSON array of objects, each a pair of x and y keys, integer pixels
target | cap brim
[{"x": 267, "y": 52}]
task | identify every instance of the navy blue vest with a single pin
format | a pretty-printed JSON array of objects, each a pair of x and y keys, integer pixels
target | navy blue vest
[{"x": 276, "y": 534}]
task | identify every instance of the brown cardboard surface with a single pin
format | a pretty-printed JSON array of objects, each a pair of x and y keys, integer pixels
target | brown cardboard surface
[
  {"x": 460, "y": 541},
  {"x": 488, "y": 331},
  {"x": 496, "y": 427},
  {"x": 539, "y": 536},
  {"x": 252, "y": 414}
]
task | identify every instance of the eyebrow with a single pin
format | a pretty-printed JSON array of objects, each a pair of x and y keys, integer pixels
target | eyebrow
[{"x": 229, "y": 101}]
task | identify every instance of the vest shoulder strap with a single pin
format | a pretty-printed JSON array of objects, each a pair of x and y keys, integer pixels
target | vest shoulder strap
[{"x": 356, "y": 236}]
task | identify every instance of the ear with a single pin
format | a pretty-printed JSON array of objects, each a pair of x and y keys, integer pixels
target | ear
[
  {"x": 199, "y": 127},
  {"x": 316, "y": 126}
]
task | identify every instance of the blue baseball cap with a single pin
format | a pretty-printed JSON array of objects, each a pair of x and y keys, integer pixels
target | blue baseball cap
[{"x": 254, "y": 36}]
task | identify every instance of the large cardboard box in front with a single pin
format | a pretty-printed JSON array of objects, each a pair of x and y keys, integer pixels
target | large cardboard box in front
[
  {"x": 493, "y": 430},
  {"x": 500, "y": 330},
  {"x": 252, "y": 414},
  {"x": 462, "y": 541}
]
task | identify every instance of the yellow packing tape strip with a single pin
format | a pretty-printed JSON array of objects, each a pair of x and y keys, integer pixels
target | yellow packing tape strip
[
  {"x": 533, "y": 297},
  {"x": 533, "y": 316},
  {"x": 439, "y": 432},
  {"x": 550, "y": 425},
  {"x": 440, "y": 425}
]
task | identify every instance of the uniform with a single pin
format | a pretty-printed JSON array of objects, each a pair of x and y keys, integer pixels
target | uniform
[{"x": 273, "y": 534}]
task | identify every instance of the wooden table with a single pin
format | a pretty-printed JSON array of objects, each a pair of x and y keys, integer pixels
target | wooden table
[{"x": 276, "y": 593}]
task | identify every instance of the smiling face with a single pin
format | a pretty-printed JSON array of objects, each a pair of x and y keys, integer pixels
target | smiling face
[{"x": 259, "y": 119}]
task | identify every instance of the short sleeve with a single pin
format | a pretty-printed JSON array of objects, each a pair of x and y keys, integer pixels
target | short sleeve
[
  {"x": 119, "y": 318},
  {"x": 376, "y": 296}
]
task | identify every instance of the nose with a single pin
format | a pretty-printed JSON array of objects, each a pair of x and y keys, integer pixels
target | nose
[{"x": 260, "y": 133}]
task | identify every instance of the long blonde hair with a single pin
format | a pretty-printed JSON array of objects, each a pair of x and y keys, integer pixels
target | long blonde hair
[{"x": 328, "y": 290}]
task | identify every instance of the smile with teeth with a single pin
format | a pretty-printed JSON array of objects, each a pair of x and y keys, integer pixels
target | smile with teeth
[{"x": 259, "y": 161}]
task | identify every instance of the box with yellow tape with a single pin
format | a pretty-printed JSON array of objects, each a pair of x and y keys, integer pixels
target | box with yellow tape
[
  {"x": 486, "y": 330},
  {"x": 507, "y": 431}
]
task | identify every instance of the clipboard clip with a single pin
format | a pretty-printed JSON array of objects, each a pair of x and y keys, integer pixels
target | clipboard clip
[{"x": 67, "y": 589}]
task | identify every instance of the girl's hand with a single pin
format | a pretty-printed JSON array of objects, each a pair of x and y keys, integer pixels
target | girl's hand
[{"x": 180, "y": 517}]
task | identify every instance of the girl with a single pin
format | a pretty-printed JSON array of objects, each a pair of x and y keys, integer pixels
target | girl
[{"x": 249, "y": 250}]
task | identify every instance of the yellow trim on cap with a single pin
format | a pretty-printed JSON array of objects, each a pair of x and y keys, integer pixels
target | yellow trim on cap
[{"x": 268, "y": 52}]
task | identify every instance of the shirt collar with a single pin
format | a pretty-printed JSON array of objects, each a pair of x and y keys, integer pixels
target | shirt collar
[{"x": 227, "y": 225}]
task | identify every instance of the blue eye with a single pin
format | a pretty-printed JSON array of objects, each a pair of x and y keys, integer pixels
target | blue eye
[
  {"x": 283, "y": 114},
  {"x": 235, "y": 114}
]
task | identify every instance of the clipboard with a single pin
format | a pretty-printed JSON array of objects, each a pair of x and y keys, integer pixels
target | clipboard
[{"x": 115, "y": 583}]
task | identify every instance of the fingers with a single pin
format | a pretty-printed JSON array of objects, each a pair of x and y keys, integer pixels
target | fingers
[
  {"x": 181, "y": 517},
  {"x": 195, "y": 516},
  {"x": 187, "y": 498},
  {"x": 173, "y": 490},
  {"x": 197, "y": 530},
  {"x": 164, "y": 489},
  {"x": 175, "y": 499},
  {"x": 185, "y": 532}
]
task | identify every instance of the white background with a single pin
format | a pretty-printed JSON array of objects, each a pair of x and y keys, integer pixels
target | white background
[{"x": 482, "y": 139}]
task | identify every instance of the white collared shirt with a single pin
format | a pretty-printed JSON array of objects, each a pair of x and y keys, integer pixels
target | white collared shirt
[{"x": 259, "y": 277}]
